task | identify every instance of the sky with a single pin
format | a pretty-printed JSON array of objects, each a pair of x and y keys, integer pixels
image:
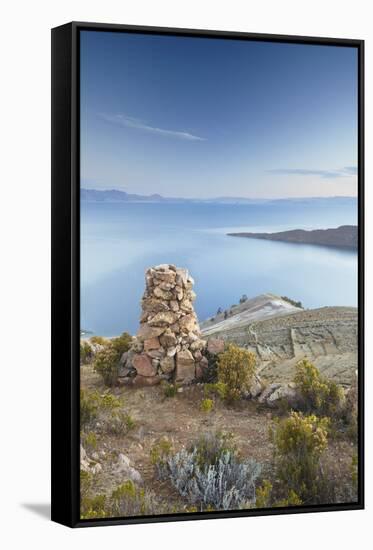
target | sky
[{"x": 202, "y": 117}]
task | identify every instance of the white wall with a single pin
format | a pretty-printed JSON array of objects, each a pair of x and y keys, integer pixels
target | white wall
[{"x": 25, "y": 255}]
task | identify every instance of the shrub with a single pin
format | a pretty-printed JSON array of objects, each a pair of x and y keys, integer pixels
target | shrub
[
  {"x": 88, "y": 409},
  {"x": 263, "y": 494},
  {"x": 130, "y": 500},
  {"x": 99, "y": 340},
  {"x": 236, "y": 368},
  {"x": 217, "y": 389},
  {"x": 299, "y": 444},
  {"x": 210, "y": 374},
  {"x": 122, "y": 343},
  {"x": 89, "y": 441},
  {"x": 170, "y": 390},
  {"x": 159, "y": 454},
  {"x": 318, "y": 394},
  {"x": 210, "y": 474},
  {"x": 107, "y": 364},
  {"x": 292, "y": 499},
  {"x": 119, "y": 423},
  {"x": 207, "y": 405},
  {"x": 227, "y": 484},
  {"x": 85, "y": 352},
  {"x": 93, "y": 507},
  {"x": 292, "y": 302}
]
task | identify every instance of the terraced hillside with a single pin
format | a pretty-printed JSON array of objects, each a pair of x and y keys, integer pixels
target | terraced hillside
[{"x": 327, "y": 336}]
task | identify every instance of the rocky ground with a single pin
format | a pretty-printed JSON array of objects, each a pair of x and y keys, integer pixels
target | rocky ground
[
  {"x": 181, "y": 420},
  {"x": 281, "y": 337}
]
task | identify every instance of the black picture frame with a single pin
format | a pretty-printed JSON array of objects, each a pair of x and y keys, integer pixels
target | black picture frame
[{"x": 66, "y": 261}]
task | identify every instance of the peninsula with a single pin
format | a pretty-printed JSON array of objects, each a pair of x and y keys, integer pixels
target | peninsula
[{"x": 344, "y": 236}]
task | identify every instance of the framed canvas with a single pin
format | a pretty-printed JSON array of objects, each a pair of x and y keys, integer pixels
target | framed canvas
[{"x": 207, "y": 274}]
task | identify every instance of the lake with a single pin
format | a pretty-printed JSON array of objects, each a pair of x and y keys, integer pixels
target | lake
[{"x": 120, "y": 240}]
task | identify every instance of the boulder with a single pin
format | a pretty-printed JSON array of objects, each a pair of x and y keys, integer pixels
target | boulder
[
  {"x": 127, "y": 472},
  {"x": 151, "y": 343},
  {"x": 143, "y": 365},
  {"x": 215, "y": 346},
  {"x": 145, "y": 332},
  {"x": 185, "y": 367}
]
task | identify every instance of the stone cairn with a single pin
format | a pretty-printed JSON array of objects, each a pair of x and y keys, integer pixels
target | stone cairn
[{"x": 168, "y": 345}]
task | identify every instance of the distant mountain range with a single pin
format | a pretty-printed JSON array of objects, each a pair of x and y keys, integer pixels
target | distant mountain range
[
  {"x": 344, "y": 236},
  {"x": 114, "y": 195}
]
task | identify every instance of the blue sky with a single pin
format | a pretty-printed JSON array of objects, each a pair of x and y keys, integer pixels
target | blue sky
[{"x": 198, "y": 117}]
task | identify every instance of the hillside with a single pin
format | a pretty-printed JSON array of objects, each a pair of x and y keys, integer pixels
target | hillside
[
  {"x": 344, "y": 236},
  {"x": 327, "y": 336}
]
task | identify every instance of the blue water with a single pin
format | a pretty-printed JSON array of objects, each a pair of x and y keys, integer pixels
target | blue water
[{"x": 119, "y": 241}]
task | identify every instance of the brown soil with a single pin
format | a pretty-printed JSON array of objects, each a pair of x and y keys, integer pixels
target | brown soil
[{"x": 180, "y": 419}]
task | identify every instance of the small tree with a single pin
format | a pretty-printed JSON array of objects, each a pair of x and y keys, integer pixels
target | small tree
[
  {"x": 243, "y": 298},
  {"x": 219, "y": 311},
  {"x": 318, "y": 394},
  {"x": 107, "y": 364},
  {"x": 299, "y": 444},
  {"x": 236, "y": 368}
]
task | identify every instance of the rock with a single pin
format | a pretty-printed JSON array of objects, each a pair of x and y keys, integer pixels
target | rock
[
  {"x": 167, "y": 365},
  {"x": 143, "y": 365},
  {"x": 145, "y": 332},
  {"x": 142, "y": 381},
  {"x": 256, "y": 387},
  {"x": 123, "y": 359},
  {"x": 185, "y": 367},
  {"x": 276, "y": 393},
  {"x": 123, "y": 371},
  {"x": 163, "y": 318},
  {"x": 168, "y": 339},
  {"x": 169, "y": 327},
  {"x": 164, "y": 294},
  {"x": 123, "y": 467},
  {"x": 188, "y": 323},
  {"x": 215, "y": 346},
  {"x": 151, "y": 343},
  {"x": 285, "y": 392}
]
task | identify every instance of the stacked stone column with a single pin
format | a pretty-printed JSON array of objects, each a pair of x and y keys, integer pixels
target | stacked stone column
[{"x": 168, "y": 344}]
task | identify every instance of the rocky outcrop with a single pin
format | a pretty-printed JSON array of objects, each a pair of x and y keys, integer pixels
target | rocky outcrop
[{"x": 168, "y": 344}]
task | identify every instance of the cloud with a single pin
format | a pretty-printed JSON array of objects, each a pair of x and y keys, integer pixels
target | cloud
[
  {"x": 338, "y": 173},
  {"x": 130, "y": 122}
]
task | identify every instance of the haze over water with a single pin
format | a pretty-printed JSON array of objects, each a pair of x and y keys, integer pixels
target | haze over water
[{"x": 120, "y": 240}]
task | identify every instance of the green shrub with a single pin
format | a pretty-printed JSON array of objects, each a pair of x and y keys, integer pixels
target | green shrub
[
  {"x": 300, "y": 442},
  {"x": 93, "y": 507},
  {"x": 236, "y": 368},
  {"x": 130, "y": 500},
  {"x": 85, "y": 352},
  {"x": 99, "y": 340},
  {"x": 170, "y": 390},
  {"x": 88, "y": 409},
  {"x": 292, "y": 499},
  {"x": 210, "y": 448},
  {"x": 89, "y": 441},
  {"x": 107, "y": 364},
  {"x": 159, "y": 453},
  {"x": 263, "y": 494},
  {"x": 122, "y": 343},
  {"x": 207, "y": 405},
  {"x": 292, "y": 302},
  {"x": 319, "y": 395},
  {"x": 217, "y": 389}
]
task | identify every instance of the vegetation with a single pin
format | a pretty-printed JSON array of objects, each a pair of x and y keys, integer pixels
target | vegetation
[
  {"x": 207, "y": 405},
  {"x": 85, "y": 352},
  {"x": 170, "y": 390},
  {"x": 319, "y": 395},
  {"x": 211, "y": 475},
  {"x": 107, "y": 360},
  {"x": 236, "y": 368},
  {"x": 106, "y": 410},
  {"x": 300, "y": 442},
  {"x": 292, "y": 302}
]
